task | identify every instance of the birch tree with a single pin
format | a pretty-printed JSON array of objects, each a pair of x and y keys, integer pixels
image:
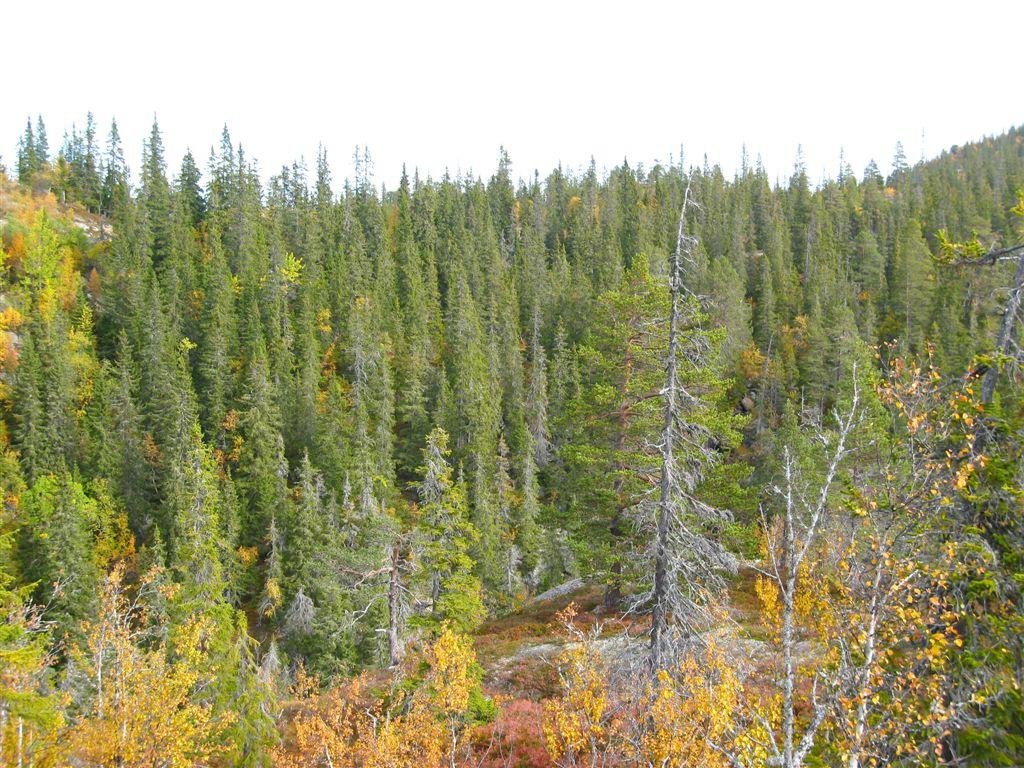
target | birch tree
[{"x": 774, "y": 733}]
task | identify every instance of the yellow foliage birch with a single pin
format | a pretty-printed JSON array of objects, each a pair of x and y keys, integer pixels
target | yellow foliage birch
[
  {"x": 143, "y": 711},
  {"x": 684, "y": 711}
]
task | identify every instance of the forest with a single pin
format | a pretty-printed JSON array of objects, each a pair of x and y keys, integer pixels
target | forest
[{"x": 649, "y": 467}]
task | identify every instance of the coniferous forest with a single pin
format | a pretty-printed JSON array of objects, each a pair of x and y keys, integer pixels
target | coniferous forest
[{"x": 654, "y": 468}]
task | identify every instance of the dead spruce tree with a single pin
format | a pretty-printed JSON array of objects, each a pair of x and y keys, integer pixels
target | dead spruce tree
[
  {"x": 686, "y": 564},
  {"x": 973, "y": 254},
  {"x": 1007, "y": 343},
  {"x": 389, "y": 584}
]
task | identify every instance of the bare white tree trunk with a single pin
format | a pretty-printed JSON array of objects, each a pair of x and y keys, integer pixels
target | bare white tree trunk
[
  {"x": 860, "y": 721},
  {"x": 802, "y": 517},
  {"x": 685, "y": 562},
  {"x": 788, "y": 584},
  {"x": 1004, "y": 341},
  {"x": 668, "y": 492},
  {"x": 395, "y": 607}
]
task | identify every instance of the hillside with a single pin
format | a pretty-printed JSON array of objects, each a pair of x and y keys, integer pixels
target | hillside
[{"x": 656, "y": 468}]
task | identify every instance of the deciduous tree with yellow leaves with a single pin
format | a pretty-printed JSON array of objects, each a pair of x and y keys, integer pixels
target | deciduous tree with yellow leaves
[
  {"x": 140, "y": 707},
  {"x": 421, "y": 722},
  {"x": 607, "y": 715}
]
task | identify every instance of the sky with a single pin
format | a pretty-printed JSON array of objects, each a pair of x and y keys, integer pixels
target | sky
[{"x": 442, "y": 85}]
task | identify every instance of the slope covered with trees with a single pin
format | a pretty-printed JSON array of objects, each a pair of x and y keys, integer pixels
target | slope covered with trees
[{"x": 261, "y": 437}]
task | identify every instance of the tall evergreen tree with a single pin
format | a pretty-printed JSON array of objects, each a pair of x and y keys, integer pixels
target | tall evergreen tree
[
  {"x": 615, "y": 413},
  {"x": 190, "y": 191},
  {"x": 455, "y": 594}
]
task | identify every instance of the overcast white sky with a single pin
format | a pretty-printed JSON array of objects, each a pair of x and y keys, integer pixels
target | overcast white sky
[{"x": 443, "y": 84}]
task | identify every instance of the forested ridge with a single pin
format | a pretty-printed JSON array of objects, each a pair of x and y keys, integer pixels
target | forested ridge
[{"x": 276, "y": 450}]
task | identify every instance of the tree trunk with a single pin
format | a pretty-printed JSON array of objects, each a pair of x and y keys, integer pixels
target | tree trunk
[
  {"x": 613, "y": 589},
  {"x": 788, "y": 638},
  {"x": 667, "y": 491},
  {"x": 395, "y": 607},
  {"x": 863, "y": 678},
  {"x": 988, "y": 384}
]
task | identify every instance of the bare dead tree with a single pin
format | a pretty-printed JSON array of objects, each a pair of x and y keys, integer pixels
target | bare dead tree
[
  {"x": 298, "y": 619},
  {"x": 389, "y": 582},
  {"x": 400, "y": 559},
  {"x": 685, "y": 561},
  {"x": 384, "y": 578},
  {"x": 1007, "y": 345}
]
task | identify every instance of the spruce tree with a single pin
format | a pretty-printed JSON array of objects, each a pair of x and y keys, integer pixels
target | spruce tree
[
  {"x": 155, "y": 197},
  {"x": 614, "y": 415},
  {"x": 28, "y": 158},
  {"x": 56, "y": 549},
  {"x": 455, "y": 594},
  {"x": 190, "y": 191},
  {"x": 911, "y": 287}
]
